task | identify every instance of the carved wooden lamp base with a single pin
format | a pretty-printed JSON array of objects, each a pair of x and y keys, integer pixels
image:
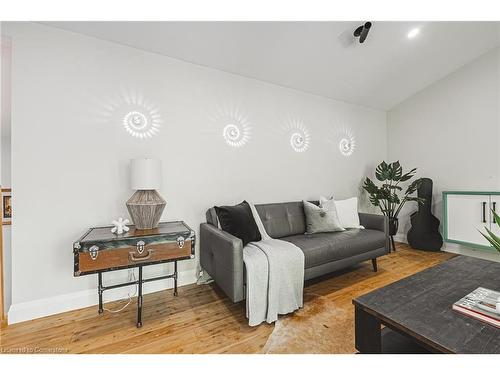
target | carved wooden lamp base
[{"x": 145, "y": 208}]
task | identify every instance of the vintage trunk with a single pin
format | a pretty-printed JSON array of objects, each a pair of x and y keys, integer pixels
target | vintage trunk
[{"x": 100, "y": 250}]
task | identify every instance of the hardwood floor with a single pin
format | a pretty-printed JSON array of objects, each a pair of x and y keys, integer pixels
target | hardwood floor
[{"x": 201, "y": 319}]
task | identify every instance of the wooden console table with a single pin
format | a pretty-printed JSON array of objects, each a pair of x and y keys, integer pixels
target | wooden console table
[{"x": 99, "y": 251}]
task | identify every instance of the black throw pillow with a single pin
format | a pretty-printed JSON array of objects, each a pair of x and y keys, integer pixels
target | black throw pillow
[{"x": 238, "y": 221}]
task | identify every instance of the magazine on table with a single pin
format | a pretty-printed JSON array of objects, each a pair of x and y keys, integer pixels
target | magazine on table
[{"x": 482, "y": 304}]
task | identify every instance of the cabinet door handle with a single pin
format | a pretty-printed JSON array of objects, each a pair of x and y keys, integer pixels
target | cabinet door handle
[
  {"x": 494, "y": 210},
  {"x": 484, "y": 212}
]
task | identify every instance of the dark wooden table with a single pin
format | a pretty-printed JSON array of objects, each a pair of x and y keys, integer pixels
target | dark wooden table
[{"x": 419, "y": 307}]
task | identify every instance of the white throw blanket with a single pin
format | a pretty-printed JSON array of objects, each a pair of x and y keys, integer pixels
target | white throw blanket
[{"x": 274, "y": 277}]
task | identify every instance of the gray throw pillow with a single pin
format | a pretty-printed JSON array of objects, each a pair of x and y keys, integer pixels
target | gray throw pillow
[{"x": 319, "y": 220}]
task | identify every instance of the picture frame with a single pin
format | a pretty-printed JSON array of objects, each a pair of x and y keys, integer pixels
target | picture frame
[{"x": 6, "y": 206}]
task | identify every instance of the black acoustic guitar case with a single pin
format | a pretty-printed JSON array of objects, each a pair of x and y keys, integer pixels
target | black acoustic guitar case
[{"x": 424, "y": 232}]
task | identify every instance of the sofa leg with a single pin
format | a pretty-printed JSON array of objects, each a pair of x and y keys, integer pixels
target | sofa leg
[{"x": 374, "y": 264}]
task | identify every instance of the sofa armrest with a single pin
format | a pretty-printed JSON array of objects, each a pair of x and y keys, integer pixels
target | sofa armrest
[
  {"x": 221, "y": 255},
  {"x": 376, "y": 222}
]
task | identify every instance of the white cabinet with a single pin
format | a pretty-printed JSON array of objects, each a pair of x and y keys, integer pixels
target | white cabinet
[
  {"x": 495, "y": 204},
  {"x": 468, "y": 213}
]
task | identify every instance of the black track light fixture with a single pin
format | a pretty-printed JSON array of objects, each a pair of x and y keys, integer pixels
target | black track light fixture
[{"x": 361, "y": 32}]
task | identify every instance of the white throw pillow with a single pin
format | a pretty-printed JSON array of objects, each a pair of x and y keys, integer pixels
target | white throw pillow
[{"x": 347, "y": 211}]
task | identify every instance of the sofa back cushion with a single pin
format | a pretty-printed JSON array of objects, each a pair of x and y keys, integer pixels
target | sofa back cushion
[
  {"x": 279, "y": 219},
  {"x": 282, "y": 219}
]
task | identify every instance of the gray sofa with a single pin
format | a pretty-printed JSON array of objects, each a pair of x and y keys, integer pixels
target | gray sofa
[{"x": 221, "y": 254}]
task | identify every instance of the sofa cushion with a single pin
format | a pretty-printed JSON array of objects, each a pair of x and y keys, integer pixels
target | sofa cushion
[
  {"x": 238, "y": 220},
  {"x": 321, "y": 248},
  {"x": 347, "y": 211},
  {"x": 320, "y": 219},
  {"x": 282, "y": 219}
]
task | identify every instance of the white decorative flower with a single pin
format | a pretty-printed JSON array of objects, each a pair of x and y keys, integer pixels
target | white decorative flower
[{"x": 120, "y": 226}]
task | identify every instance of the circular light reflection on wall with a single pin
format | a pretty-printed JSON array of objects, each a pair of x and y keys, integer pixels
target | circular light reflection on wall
[
  {"x": 135, "y": 121},
  {"x": 299, "y": 141},
  {"x": 229, "y": 120},
  {"x": 347, "y": 142},
  {"x": 233, "y": 136},
  {"x": 131, "y": 111},
  {"x": 346, "y": 147},
  {"x": 295, "y": 133},
  {"x": 138, "y": 125}
]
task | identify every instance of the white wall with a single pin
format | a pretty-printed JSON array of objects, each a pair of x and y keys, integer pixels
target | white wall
[
  {"x": 450, "y": 132},
  {"x": 5, "y": 160},
  {"x": 70, "y": 170},
  {"x": 6, "y": 229}
]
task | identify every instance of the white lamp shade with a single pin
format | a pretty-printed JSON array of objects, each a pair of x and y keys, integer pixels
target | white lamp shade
[{"x": 145, "y": 174}]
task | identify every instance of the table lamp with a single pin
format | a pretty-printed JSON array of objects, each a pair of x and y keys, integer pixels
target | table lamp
[{"x": 146, "y": 205}]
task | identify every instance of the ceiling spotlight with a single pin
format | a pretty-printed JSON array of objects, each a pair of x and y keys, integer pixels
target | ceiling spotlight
[
  {"x": 413, "y": 33},
  {"x": 361, "y": 32}
]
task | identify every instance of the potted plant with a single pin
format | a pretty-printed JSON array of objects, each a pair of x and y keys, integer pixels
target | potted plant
[
  {"x": 493, "y": 239},
  {"x": 387, "y": 197}
]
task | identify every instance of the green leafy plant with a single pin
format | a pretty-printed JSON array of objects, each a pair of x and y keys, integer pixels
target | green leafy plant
[
  {"x": 493, "y": 239},
  {"x": 386, "y": 196}
]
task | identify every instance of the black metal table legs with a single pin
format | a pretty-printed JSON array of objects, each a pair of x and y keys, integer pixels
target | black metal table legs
[
  {"x": 100, "y": 290},
  {"x": 139, "y": 284},
  {"x": 139, "y": 299},
  {"x": 175, "y": 278}
]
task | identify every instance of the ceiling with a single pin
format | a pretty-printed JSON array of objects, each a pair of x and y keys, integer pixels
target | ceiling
[{"x": 316, "y": 57}]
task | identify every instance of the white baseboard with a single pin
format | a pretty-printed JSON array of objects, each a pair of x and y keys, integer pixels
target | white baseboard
[
  {"x": 24, "y": 311},
  {"x": 458, "y": 249},
  {"x": 400, "y": 237},
  {"x": 471, "y": 252}
]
